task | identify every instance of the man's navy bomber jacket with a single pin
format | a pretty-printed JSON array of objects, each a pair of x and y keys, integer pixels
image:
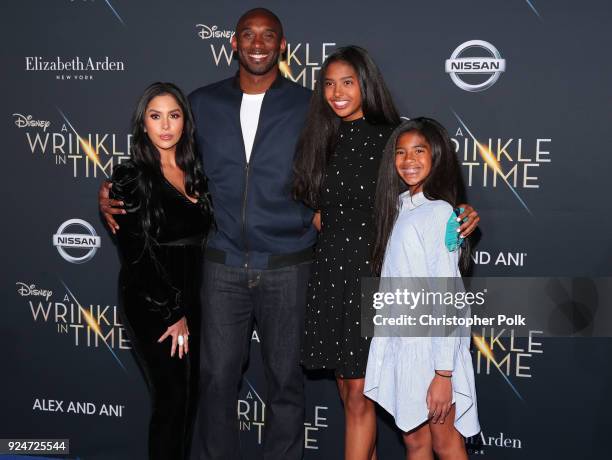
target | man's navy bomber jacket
[{"x": 259, "y": 225}]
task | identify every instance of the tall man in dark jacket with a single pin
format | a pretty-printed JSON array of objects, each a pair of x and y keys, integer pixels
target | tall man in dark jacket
[{"x": 258, "y": 261}]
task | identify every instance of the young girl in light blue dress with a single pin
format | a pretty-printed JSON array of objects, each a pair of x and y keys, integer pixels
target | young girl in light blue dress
[{"x": 425, "y": 383}]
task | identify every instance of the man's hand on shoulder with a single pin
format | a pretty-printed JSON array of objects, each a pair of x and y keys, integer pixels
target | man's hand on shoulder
[
  {"x": 316, "y": 220},
  {"x": 108, "y": 206}
]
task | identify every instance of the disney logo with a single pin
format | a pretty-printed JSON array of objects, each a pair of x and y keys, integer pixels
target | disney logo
[
  {"x": 207, "y": 32},
  {"x": 23, "y": 121},
  {"x": 25, "y": 291}
]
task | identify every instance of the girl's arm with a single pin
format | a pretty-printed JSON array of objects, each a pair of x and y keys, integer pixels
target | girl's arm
[
  {"x": 444, "y": 263},
  {"x": 443, "y": 266}
]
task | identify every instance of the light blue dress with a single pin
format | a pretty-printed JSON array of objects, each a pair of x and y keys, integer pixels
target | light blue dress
[{"x": 400, "y": 369}]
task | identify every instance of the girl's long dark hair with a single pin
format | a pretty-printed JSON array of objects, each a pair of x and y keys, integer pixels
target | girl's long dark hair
[
  {"x": 444, "y": 182},
  {"x": 318, "y": 138},
  {"x": 145, "y": 159}
]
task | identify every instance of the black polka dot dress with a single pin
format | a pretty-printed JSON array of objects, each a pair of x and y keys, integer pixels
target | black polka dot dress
[{"x": 332, "y": 335}]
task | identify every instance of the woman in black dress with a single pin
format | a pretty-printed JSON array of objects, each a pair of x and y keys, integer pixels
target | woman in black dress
[
  {"x": 161, "y": 239},
  {"x": 350, "y": 119}
]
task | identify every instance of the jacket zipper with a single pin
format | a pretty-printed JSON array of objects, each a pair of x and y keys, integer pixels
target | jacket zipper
[
  {"x": 244, "y": 204},
  {"x": 246, "y": 185}
]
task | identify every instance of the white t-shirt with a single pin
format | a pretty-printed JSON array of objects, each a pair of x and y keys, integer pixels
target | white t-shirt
[{"x": 249, "y": 118}]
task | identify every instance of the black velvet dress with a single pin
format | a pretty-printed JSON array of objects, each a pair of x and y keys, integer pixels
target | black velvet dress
[
  {"x": 159, "y": 284},
  {"x": 332, "y": 335}
]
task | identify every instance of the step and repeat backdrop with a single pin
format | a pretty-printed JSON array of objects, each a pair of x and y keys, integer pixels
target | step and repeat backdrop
[{"x": 528, "y": 79}]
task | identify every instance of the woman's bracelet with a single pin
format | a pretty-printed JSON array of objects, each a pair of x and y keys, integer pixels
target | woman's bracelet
[{"x": 443, "y": 375}]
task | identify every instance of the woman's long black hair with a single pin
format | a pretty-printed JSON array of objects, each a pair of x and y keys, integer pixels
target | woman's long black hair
[
  {"x": 145, "y": 159},
  {"x": 318, "y": 138},
  {"x": 444, "y": 182}
]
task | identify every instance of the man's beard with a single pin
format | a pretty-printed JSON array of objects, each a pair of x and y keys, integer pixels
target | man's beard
[{"x": 258, "y": 71}]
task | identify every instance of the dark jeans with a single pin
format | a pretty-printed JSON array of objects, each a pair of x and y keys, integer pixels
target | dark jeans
[{"x": 232, "y": 298}]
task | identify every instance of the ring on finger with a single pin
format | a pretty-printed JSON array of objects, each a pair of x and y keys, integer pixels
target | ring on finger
[{"x": 181, "y": 340}]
